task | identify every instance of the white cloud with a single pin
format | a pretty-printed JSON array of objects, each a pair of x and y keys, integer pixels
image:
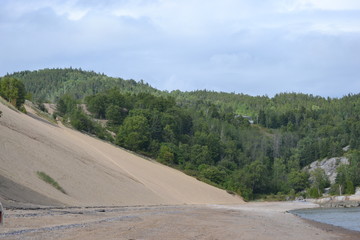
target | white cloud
[
  {"x": 255, "y": 47},
  {"x": 72, "y": 14},
  {"x": 335, "y": 5},
  {"x": 67, "y": 8}
]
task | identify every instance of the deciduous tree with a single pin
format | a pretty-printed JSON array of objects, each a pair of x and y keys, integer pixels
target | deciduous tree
[
  {"x": 13, "y": 90},
  {"x": 134, "y": 133}
]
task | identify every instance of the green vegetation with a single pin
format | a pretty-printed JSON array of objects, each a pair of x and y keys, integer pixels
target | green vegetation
[
  {"x": 50, "y": 84},
  {"x": 208, "y": 134},
  {"x": 41, "y": 111},
  {"x": 348, "y": 176},
  {"x": 46, "y": 178},
  {"x": 69, "y": 109},
  {"x": 319, "y": 182},
  {"x": 13, "y": 91}
]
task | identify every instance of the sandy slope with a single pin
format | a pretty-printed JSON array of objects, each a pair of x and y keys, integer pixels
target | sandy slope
[{"x": 92, "y": 172}]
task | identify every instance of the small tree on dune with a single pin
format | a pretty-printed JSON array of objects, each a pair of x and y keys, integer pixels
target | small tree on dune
[{"x": 13, "y": 90}]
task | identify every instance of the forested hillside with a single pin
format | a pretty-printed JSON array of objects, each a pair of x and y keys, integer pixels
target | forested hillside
[
  {"x": 248, "y": 145},
  {"x": 50, "y": 84}
]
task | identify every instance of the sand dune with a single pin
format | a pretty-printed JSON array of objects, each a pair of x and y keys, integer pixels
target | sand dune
[{"x": 91, "y": 171}]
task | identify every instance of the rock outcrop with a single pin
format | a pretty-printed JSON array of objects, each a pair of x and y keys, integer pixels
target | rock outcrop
[
  {"x": 329, "y": 166},
  {"x": 339, "y": 201}
]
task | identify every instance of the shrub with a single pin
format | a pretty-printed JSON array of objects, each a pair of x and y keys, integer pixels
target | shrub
[
  {"x": 166, "y": 156},
  {"x": 313, "y": 192},
  {"x": 350, "y": 189}
]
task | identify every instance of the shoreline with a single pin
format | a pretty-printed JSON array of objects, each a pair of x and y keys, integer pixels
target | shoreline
[
  {"x": 338, "y": 201},
  {"x": 347, "y": 233},
  {"x": 329, "y": 227},
  {"x": 344, "y": 233}
]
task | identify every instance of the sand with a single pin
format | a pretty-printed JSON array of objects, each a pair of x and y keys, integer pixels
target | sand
[{"x": 266, "y": 221}]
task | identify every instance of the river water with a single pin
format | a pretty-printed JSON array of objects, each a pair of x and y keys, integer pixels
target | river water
[{"x": 348, "y": 218}]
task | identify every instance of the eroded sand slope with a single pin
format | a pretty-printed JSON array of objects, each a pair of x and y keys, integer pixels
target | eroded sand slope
[{"x": 91, "y": 171}]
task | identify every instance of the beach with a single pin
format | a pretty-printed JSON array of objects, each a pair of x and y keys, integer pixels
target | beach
[{"x": 246, "y": 221}]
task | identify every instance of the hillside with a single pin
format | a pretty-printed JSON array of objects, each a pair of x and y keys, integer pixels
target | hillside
[
  {"x": 251, "y": 145},
  {"x": 50, "y": 84},
  {"x": 91, "y": 171}
]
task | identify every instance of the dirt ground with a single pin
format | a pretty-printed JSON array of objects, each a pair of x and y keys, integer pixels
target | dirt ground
[{"x": 246, "y": 221}]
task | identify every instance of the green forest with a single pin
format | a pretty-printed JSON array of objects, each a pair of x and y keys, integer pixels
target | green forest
[{"x": 254, "y": 146}]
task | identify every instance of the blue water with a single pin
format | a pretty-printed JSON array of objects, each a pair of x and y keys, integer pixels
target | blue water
[{"x": 348, "y": 218}]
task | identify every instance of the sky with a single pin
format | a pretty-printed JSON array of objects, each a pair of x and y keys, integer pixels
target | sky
[{"x": 255, "y": 47}]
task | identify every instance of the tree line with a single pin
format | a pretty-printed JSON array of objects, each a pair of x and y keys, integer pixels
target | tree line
[{"x": 47, "y": 85}]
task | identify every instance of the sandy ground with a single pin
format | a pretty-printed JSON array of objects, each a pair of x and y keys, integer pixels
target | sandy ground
[{"x": 266, "y": 221}]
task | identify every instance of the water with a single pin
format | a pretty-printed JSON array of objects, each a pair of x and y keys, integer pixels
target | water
[{"x": 348, "y": 218}]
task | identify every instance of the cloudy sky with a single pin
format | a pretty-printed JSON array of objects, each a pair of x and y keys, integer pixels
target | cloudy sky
[{"x": 255, "y": 47}]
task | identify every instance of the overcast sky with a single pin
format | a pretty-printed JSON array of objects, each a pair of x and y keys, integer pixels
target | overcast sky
[{"x": 255, "y": 47}]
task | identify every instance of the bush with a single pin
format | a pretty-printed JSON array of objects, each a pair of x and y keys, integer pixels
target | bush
[
  {"x": 22, "y": 109},
  {"x": 350, "y": 189},
  {"x": 292, "y": 194},
  {"x": 166, "y": 156},
  {"x": 335, "y": 189},
  {"x": 246, "y": 194},
  {"x": 213, "y": 174},
  {"x": 313, "y": 192},
  {"x": 298, "y": 180},
  {"x": 42, "y": 107},
  {"x": 81, "y": 122}
]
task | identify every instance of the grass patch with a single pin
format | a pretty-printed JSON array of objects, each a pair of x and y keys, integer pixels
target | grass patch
[{"x": 46, "y": 178}]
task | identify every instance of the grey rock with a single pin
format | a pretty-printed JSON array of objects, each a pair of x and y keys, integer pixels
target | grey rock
[{"x": 329, "y": 166}]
